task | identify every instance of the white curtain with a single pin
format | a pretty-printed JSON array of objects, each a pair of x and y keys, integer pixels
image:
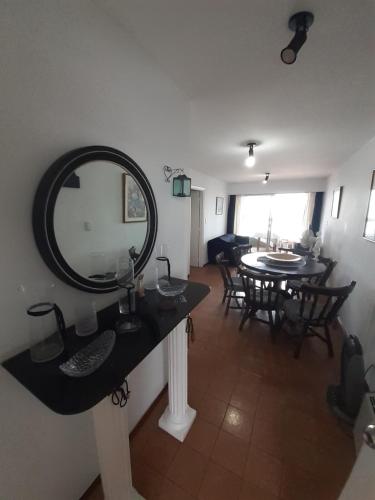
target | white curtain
[
  {"x": 237, "y": 212},
  {"x": 309, "y": 211}
]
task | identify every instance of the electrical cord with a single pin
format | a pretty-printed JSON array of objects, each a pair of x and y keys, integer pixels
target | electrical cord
[{"x": 120, "y": 395}]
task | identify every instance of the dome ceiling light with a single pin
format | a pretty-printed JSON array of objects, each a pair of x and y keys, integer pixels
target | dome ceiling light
[{"x": 300, "y": 23}]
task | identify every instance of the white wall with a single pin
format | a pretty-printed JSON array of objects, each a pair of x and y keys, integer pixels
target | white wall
[
  {"x": 71, "y": 77},
  {"x": 214, "y": 225},
  {"x": 343, "y": 241},
  {"x": 303, "y": 185}
]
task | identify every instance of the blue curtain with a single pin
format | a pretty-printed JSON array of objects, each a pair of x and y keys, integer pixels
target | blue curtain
[
  {"x": 317, "y": 213},
  {"x": 231, "y": 213}
]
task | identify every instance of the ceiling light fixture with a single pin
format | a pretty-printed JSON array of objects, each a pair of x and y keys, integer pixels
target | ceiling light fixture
[
  {"x": 300, "y": 23},
  {"x": 267, "y": 176},
  {"x": 250, "y": 160}
]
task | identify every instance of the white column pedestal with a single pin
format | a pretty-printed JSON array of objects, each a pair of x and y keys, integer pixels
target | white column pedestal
[
  {"x": 178, "y": 417},
  {"x": 112, "y": 442}
]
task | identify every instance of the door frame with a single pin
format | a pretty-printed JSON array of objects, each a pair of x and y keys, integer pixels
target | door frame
[{"x": 201, "y": 225}]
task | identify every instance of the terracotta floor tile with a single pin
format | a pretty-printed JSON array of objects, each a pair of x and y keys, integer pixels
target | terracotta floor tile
[
  {"x": 301, "y": 453},
  {"x": 212, "y": 410},
  {"x": 230, "y": 452},
  {"x": 187, "y": 469},
  {"x": 251, "y": 491},
  {"x": 268, "y": 435},
  {"x": 245, "y": 398},
  {"x": 147, "y": 481},
  {"x": 221, "y": 388},
  {"x": 298, "y": 485},
  {"x": 219, "y": 484},
  {"x": 264, "y": 470},
  {"x": 202, "y": 436},
  {"x": 238, "y": 423},
  {"x": 160, "y": 450},
  {"x": 298, "y": 423},
  {"x": 171, "y": 491}
]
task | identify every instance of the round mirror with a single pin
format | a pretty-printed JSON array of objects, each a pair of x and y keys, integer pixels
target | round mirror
[{"x": 93, "y": 207}]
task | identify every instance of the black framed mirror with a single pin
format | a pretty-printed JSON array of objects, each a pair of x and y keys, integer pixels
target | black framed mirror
[{"x": 92, "y": 206}]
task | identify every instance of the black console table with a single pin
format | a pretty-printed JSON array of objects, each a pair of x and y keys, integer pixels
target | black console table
[{"x": 67, "y": 396}]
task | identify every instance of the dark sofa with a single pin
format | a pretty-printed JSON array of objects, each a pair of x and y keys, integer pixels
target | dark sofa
[{"x": 225, "y": 243}]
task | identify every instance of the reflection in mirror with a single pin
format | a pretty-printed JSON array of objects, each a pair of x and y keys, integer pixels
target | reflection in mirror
[
  {"x": 369, "y": 231},
  {"x": 100, "y": 215}
]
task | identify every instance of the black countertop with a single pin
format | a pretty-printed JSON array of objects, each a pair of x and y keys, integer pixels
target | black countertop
[{"x": 68, "y": 396}]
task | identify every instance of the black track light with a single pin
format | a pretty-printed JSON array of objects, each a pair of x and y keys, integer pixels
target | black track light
[{"x": 300, "y": 23}]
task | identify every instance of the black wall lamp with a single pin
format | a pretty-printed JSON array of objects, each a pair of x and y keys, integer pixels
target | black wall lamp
[
  {"x": 300, "y": 23},
  {"x": 266, "y": 178},
  {"x": 181, "y": 183}
]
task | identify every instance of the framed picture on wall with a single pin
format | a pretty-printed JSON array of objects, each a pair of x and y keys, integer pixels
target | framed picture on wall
[
  {"x": 369, "y": 231},
  {"x": 336, "y": 202},
  {"x": 219, "y": 205},
  {"x": 134, "y": 206}
]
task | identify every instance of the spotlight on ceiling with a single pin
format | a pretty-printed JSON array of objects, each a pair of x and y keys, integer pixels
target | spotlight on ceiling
[
  {"x": 250, "y": 160},
  {"x": 266, "y": 177},
  {"x": 300, "y": 23}
]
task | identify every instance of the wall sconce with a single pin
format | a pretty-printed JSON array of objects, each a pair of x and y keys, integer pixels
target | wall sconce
[
  {"x": 266, "y": 178},
  {"x": 181, "y": 183}
]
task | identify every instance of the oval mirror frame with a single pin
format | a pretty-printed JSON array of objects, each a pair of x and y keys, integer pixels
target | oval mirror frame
[{"x": 44, "y": 206}]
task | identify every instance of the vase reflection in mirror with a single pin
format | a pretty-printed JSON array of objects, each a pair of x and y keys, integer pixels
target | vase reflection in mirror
[
  {"x": 46, "y": 322},
  {"x": 128, "y": 321}
]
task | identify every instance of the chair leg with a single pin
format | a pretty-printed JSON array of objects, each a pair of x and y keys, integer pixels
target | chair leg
[
  {"x": 225, "y": 295},
  {"x": 329, "y": 341},
  {"x": 229, "y": 299},
  {"x": 298, "y": 348},
  {"x": 272, "y": 326},
  {"x": 245, "y": 316}
]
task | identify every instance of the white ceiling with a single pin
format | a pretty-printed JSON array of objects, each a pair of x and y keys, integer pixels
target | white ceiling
[{"x": 225, "y": 56}]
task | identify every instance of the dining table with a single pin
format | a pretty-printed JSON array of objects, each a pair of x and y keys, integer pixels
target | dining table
[{"x": 307, "y": 268}]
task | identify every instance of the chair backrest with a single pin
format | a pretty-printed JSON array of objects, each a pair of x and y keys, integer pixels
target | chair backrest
[
  {"x": 262, "y": 290},
  {"x": 320, "y": 305},
  {"x": 239, "y": 251},
  {"x": 223, "y": 266},
  {"x": 330, "y": 265}
]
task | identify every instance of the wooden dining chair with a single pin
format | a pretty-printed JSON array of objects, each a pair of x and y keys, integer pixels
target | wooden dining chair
[
  {"x": 238, "y": 252},
  {"x": 318, "y": 308},
  {"x": 294, "y": 286},
  {"x": 262, "y": 293},
  {"x": 233, "y": 288}
]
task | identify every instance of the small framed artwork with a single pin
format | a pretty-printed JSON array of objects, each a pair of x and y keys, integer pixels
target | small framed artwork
[
  {"x": 336, "y": 202},
  {"x": 369, "y": 232},
  {"x": 134, "y": 206},
  {"x": 219, "y": 205}
]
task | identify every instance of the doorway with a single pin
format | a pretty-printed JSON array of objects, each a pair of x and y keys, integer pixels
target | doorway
[{"x": 196, "y": 227}]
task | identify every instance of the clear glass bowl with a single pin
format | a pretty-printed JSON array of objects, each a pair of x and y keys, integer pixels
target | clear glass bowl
[{"x": 170, "y": 288}]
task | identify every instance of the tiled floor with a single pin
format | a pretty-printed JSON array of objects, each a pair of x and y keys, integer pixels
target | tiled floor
[{"x": 263, "y": 431}]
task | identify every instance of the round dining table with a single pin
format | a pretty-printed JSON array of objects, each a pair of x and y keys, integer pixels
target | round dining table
[{"x": 258, "y": 262}]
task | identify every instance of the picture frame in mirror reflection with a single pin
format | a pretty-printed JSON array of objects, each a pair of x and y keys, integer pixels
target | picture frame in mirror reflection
[
  {"x": 134, "y": 206},
  {"x": 369, "y": 229}
]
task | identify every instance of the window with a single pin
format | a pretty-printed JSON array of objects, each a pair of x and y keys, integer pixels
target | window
[{"x": 274, "y": 217}]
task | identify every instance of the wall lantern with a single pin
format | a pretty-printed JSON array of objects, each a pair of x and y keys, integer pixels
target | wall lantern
[{"x": 181, "y": 183}]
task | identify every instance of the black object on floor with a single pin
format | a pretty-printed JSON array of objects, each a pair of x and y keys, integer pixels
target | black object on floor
[{"x": 345, "y": 399}]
